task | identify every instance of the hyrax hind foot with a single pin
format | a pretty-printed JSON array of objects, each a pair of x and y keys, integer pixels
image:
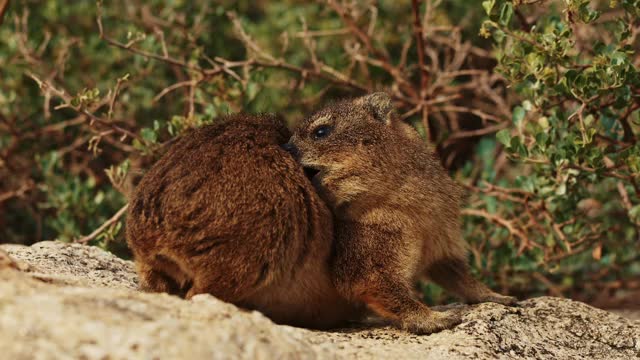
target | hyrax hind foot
[
  {"x": 427, "y": 322},
  {"x": 454, "y": 275}
]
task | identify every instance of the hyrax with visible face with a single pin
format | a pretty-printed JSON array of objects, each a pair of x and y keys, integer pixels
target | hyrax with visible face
[
  {"x": 227, "y": 211},
  {"x": 397, "y": 211}
]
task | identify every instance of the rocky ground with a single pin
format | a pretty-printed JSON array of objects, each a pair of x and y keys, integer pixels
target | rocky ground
[{"x": 60, "y": 301}]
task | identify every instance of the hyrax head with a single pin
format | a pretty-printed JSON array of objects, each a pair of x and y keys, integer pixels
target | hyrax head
[{"x": 348, "y": 141}]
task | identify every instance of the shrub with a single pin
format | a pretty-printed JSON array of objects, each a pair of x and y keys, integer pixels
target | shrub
[
  {"x": 538, "y": 116},
  {"x": 571, "y": 201}
]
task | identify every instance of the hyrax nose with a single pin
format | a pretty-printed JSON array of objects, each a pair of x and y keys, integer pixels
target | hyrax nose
[{"x": 291, "y": 149}]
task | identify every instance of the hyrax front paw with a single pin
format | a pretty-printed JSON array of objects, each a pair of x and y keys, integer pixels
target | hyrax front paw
[{"x": 428, "y": 322}]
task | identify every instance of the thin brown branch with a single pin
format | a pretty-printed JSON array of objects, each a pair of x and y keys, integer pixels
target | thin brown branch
[
  {"x": 129, "y": 47},
  {"x": 624, "y": 195},
  {"x": 172, "y": 87},
  {"x": 463, "y": 109},
  {"x": 46, "y": 87},
  {"x": 508, "y": 224},
  {"x": 586, "y": 242},
  {"x": 99, "y": 230},
  {"x": 419, "y": 35},
  {"x": 320, "y": 33},
  {"x": 263, "y": 59},
  {"x": 626, "y": 127},
  {"x": 114, "y": 98},
  {"x": 424, "y": 73},
  {"x": 24, "y": 188},
  {"x": 492, "y": 191},
  {"x": 478, "y": 132},
  {"x": 4, "y": 6},
  {"x": 613, "y": 174},
  {"x": 383, "y": 57}
]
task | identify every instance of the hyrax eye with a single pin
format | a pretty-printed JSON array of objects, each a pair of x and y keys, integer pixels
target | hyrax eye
[{"x": 321, "y": 132}]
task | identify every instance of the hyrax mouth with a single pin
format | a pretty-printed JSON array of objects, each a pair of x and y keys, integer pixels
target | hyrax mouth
[{"x": 310, "y": 172}]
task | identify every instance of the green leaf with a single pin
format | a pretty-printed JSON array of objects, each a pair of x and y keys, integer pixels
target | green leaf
[
  {"x": 488, "y": 6},
  {"x": 149, "y": 135},
  {"x": 543, "y": 122},
  {"x": 506, "y": 13},
  {"x": 504, "y": 137},
  {"x": 618, "y": 58},
  {"x": 541, "y": 138},
  {"x": 634, "y": 213},
  {"x": 252, "y": 91},
  {"x": 518, "y": 115}
]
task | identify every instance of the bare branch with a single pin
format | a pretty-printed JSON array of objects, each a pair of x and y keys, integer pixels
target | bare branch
[
  {"x": 383, "y": 57},
  {"x": 47, "y": 87},
  {"x": 4, "y": 6},
  {"x": 418, "y": 33},
  {"x": 509, "y": 224},
  {"x": 116, "y": 217}
]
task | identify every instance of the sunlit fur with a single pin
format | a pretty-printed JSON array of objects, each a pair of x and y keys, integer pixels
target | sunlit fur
[
  {"x": 227, "y": 212},
  {"x": 397, "y": 211}
]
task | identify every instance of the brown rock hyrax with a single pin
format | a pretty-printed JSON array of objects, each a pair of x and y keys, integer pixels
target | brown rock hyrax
[
  {"x": 227, "y": 211},
  {"x": 396, "y": 211}
]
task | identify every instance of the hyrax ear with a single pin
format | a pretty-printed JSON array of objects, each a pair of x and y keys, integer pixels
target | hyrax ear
[{"x": 380, "y": 106}]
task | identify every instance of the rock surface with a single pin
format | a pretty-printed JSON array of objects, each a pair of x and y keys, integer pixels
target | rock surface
[{"x": 60, "y": 301}]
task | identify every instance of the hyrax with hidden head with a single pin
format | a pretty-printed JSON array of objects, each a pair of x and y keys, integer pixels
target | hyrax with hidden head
[
  {"x": 227, "y": 211},
  {"x": 397, "y": 212}
]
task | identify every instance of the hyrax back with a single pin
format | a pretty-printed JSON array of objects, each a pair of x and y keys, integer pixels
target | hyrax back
[
  {"x": 397, "y": 211},
  {"x": 227, "y": 212}
]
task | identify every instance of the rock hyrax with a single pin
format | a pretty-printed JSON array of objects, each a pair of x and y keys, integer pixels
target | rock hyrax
[
  {"x": 397, "y": 211},
  {"x": 227, "y": 211}
]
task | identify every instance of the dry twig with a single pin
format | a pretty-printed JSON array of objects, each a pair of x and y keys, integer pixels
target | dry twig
[
  {"x": 4, "y": 6},
  {"x": 116, "y": 217}
]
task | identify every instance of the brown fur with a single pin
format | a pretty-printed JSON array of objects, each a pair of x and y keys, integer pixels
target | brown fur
[
  {"x": 397, "y": 212},
  {"x": 227, "y": 212}
]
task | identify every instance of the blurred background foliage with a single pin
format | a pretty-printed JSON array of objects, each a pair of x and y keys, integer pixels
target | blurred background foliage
[{"x": 532, "y": 105}]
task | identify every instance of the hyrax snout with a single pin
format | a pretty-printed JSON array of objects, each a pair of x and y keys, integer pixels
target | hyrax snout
[{"x": 227, "y": 211}]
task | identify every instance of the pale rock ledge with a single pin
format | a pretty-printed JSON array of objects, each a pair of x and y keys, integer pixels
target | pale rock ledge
[{"x": 60, "y": 301}]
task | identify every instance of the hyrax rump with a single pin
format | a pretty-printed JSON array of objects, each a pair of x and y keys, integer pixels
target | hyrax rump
[
  {"x": 226, "y": 211},
  {"x": 396, "y": 209}
]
